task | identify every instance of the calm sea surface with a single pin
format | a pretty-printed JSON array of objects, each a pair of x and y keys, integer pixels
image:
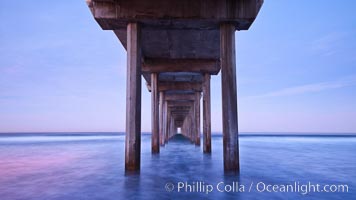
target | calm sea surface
[{"x": 91, "y": 166}]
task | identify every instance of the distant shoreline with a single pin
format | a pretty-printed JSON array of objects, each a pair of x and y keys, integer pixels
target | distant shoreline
[{"x": 242, "y": 134}]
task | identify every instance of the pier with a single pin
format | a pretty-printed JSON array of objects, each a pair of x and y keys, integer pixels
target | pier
[{"x": 177, "y": 45}]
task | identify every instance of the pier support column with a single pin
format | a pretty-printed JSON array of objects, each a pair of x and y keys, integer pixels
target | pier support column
[
  {"x": 171, "y": 128},
  {"x": 186, "y": 126},
  {"x": 229, "y": 98},
  {"x": 192, "y": 125},
  {"x": 169, "y": 116},
  {"x": 197, "y": 118},
  {"x": 172, "y": 131},
  {"x": 166, "y": 111},
  {"x": 174, "y": 128},
  {"x": 161, "y": 127},
  {"x": 164, "y": 121},
  {"x": 183, "y": 129},
  {"x": 133, "y": 99},
  {"x": 206, "y": 114},
  {"x": 155, "y": 111}
]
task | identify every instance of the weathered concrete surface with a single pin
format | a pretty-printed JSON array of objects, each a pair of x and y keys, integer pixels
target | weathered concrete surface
[
  {"x": 133, "y": 99},
  {"x": 181, "y": 65},
  {"x": 176, "y": 46},
  {"x": 155, "y": 112},
  {"x": 197, "y": 117},
  {"x": 229, "y": 98},
  {"x": 161, "y": 116},
  {"x": 178, "y": 14},
  {"x": 175, "y": 85},
  {"x": 206, "y": 114},
  {"x": 176, "y": 29}
]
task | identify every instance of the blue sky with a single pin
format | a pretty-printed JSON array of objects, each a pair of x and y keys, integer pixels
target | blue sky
[{"x": 296, "y": 69}]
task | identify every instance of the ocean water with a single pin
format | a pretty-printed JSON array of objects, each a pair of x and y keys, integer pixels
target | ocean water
[{"x": 91, "y": 166}]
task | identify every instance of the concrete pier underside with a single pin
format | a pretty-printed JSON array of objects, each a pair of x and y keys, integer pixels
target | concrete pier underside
[{"x": 176, "y": 46}]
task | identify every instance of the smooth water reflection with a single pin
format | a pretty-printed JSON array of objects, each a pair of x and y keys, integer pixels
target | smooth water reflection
[{"x": 92, "y": 167}]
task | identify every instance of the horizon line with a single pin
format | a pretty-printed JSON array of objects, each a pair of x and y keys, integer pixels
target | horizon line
[{"x": 213, "y": 132}]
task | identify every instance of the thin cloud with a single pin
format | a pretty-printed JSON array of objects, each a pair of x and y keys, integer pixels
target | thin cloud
[
  {"x": 310, "y": 88},
  {"x": 329, "y": 44}
]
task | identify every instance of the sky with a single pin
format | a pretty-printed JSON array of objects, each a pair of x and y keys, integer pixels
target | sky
[{"x": 296, "y": 70}]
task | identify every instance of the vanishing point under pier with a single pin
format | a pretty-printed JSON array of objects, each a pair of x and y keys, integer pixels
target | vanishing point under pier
[{"x": 177, "y": 45}]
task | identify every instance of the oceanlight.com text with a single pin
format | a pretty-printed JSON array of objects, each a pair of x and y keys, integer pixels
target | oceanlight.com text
[{"x": 260, "y": 187}]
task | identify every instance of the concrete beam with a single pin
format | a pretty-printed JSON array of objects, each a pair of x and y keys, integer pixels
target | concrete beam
[
  {"x": 171, "y": 86},
  {"x": 205, "y": 14},
  {"x": 180, "y": 97},
  {"x": 173, "y": 103},
  {"x": 180, "y": 108},
  {"x": 185, "y": 112},
  {"x": 211, "y": 66}
]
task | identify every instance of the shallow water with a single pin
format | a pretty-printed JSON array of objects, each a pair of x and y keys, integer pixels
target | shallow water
[{"x": 91, "y": 166}]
